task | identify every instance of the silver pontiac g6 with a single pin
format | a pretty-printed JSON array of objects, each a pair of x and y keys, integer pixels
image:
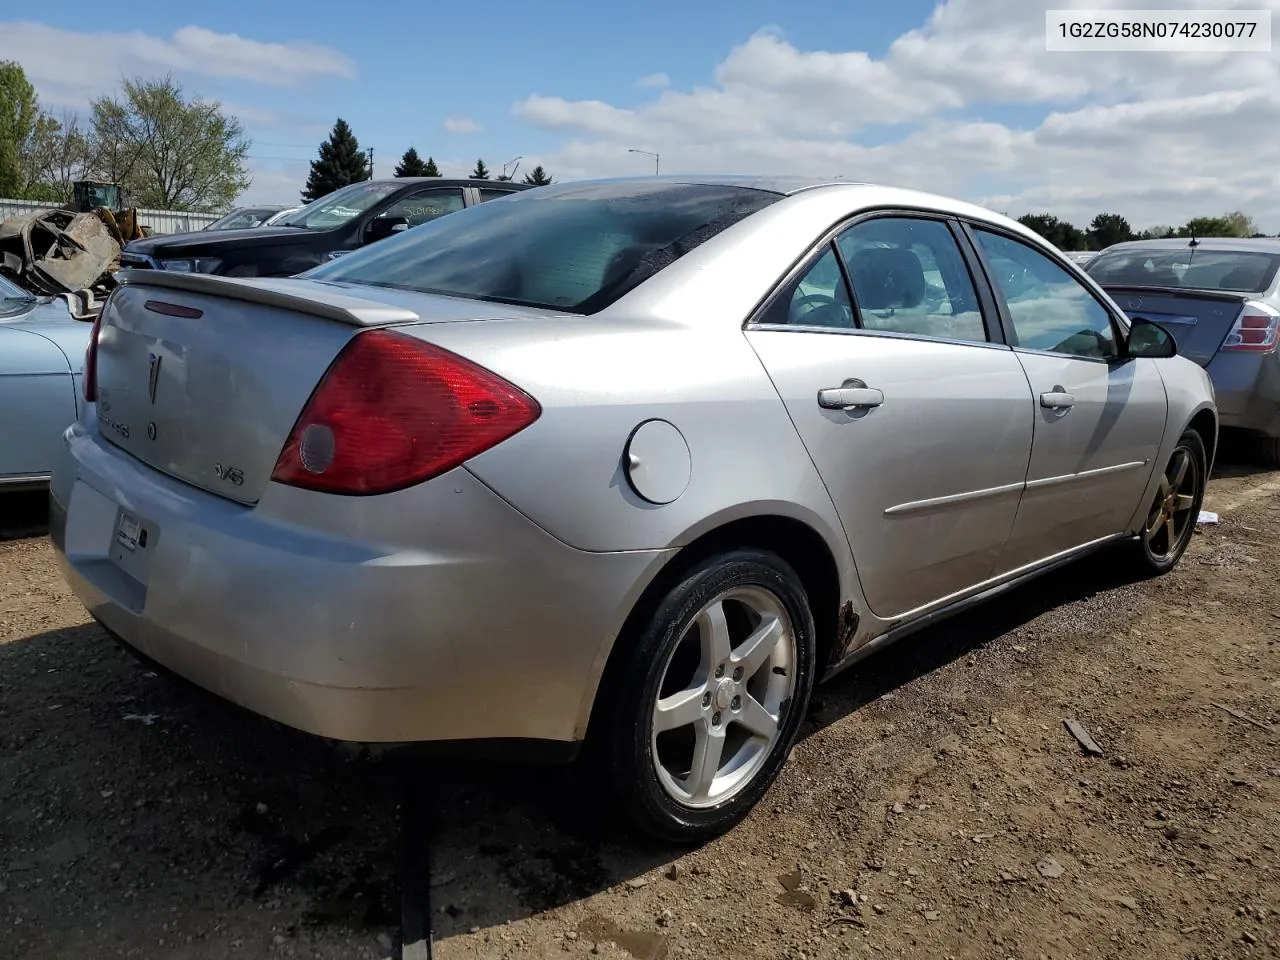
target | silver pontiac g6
[{"x": 632, "y": 463}]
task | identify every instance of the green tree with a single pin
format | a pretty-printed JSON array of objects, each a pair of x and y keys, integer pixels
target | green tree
[
  {"x": 169, "y": 151},
  {"x": 481, "y": 172},
  {"x": 1157, "y": 233},
  {"x": 19, "y": 114},
  {"x": 538, "y": 178},
  {"x": 1108, "y": 228},
  {"x": 431, "y": 170},
  {"x": 410, "y": 165},
  {"x": 1060, "y": 233},
  {"x": 1234, "y": 224},
  {"x": 341, "y": 162}
]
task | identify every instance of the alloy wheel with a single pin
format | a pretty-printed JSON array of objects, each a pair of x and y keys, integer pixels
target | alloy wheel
[
  {"x": 723, "y": 695},
  {"x": 1171, "y": 514}
]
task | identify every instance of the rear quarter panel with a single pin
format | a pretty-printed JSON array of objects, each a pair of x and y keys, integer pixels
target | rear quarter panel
[
  {"x": 597, "y": 381},
  {"x": 37, "y": 402}
]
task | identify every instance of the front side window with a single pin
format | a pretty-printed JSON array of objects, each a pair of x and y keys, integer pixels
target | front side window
[
  {"x": 571, "y": 247},
  {"x": 425, "y": 205},
  {"x": 1050, "y": 309},
  {"x": 909, "y": 276},
  {"x": 341, "y": 206}
]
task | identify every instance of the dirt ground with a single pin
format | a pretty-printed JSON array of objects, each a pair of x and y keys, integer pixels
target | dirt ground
[{"x": 936, "y": 806}]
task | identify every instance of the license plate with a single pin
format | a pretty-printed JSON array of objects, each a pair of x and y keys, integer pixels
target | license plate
[{"x": 127, "y": 530}]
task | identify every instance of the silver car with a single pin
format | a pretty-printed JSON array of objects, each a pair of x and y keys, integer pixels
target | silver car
[
  {"x": 1220, "y": 299},
  {"x": 631, "y": 463}
]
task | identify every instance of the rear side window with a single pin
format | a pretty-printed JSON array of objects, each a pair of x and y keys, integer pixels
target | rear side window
[
  {"x": 571, "y": 247},
  {"x": 1230, "y": 271},
  {"x": 909, "y": 276}
]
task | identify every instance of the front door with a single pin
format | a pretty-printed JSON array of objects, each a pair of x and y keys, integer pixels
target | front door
[
  {"x": 1099, "y": 420},
  {"x": 919, "y": 425}
]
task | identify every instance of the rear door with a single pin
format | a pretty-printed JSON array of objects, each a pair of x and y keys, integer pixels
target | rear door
[
  {"x": 1099, "y": 421},
  {"x": 917, "y": 420}
]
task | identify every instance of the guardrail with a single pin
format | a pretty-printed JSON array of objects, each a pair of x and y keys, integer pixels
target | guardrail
[{"x": 159, "y": 221}]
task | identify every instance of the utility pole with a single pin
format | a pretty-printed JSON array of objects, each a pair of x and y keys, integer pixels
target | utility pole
[
  {"x": 647, "y": 153},
  {"x": 371, "y": 163}
]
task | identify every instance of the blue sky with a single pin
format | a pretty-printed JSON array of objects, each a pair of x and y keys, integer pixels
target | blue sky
[{"x": 954, "y": 96}]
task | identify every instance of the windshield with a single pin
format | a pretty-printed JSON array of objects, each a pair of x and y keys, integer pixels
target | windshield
[
  {"x": 242, "y": 219},
  {"x": 13, "y": 298},
  {"x": 1234, "y": 271},
  {"x": 335, "y": 209},
  {"x": 572, "y": 247}
]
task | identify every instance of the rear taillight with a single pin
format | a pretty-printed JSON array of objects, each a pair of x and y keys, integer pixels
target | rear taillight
[
  {"x": 90, "y": 373},
  {"x": 1257, "y": 330},
  {"x": 393, "y": 411}
]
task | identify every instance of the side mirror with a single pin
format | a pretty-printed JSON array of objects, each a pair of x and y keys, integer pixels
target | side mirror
[
  {"x": 382, "y": 227},
  {"x": 1149, "y": 339}
]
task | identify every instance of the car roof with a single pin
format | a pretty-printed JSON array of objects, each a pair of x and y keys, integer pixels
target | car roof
[
  {"x": 453, "y": 182},
  {"x": 1234, "y": 244}
]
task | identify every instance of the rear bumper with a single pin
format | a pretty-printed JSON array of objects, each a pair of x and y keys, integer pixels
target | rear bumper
[
  {"x": 452, "y": 617},
  {"x": 1247, "y": 391}
]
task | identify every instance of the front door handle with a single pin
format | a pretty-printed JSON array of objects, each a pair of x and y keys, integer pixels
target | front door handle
[
  {"x": 1057, "y": 400},
  {"x": 853, "y": 395}
]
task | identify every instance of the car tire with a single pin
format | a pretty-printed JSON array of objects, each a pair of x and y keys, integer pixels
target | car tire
[
  {"x": 1269, "y": 451},
  {"x": 693, "y": 658},
  {"x": 1170, "y": 520}
]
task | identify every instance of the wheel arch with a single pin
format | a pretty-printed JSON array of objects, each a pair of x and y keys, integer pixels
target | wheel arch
[
  {"x": 799, "y": 543},
  {"x": 1205, "y": 422}
]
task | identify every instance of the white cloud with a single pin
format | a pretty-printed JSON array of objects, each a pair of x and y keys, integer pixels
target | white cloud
[
  {"x": 1158, "y": 137},
  {"x": 68, "y": 67},
  {"x": 461, "y": 125},
  {"x": 653, "y": 81}
]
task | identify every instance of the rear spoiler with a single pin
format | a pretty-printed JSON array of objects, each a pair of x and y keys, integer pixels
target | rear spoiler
[
  {"x": 1188, "y": 293},
  {"x": 275, "y": 292}
]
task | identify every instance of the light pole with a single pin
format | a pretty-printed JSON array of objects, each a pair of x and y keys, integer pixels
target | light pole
[
  {"x": 516, "y": 161},
  {"x": 646, "y": 153}
]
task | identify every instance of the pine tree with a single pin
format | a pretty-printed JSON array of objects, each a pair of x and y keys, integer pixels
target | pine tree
[
  {"x": 341, "y": 162},
  {"x": 539, "y": 177},
  {"x": 411, "y": 165},
  {"x": 481, "y": 172},
  {"x": 430, "y": 170}
]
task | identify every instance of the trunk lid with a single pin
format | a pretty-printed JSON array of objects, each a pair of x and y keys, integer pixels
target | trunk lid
[
  {"x": 204, "y": 377},
  {"x": 1199, "y": 320}
]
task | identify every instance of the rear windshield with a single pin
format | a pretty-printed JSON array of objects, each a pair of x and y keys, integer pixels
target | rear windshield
[
  {"x": 571, "y": 247},
  {"x": 1195, "y": 269}
]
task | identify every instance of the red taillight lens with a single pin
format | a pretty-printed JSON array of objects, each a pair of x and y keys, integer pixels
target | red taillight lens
[
  {"x": 1256, "y": 330},
  {"x": 89, "y": 375},
  {"x": 393, "y": 411}
]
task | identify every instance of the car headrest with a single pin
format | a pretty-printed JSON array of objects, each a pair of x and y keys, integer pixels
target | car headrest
[{"x": 886, "y": 278}]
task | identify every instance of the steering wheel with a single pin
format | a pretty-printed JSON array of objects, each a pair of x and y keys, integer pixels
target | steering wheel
[{"x": 811, "y": 301}]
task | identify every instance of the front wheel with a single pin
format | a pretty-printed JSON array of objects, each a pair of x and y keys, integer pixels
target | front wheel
[
  {"x": 711, "y": 698},
  {"x": 1171, "y": 518}
]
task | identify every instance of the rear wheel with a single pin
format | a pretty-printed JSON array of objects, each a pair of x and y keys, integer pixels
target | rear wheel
[
  {"x": 1269, "y": 451},
  {"x": 1171, "y": 517},
  {"x": 710, "y": 700}
]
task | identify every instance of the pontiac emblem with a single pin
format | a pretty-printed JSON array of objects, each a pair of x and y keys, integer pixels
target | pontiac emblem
[{"x": 153, "y": 375}]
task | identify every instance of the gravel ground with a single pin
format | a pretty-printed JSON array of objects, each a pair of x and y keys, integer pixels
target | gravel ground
[{"x": 935, "y": 807}]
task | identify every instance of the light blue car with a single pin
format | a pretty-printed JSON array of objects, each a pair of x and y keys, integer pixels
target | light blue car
[{"x": 42, "y": 346}]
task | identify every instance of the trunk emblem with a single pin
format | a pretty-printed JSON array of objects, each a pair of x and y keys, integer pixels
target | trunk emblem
[{"x": 153, "y": 375}]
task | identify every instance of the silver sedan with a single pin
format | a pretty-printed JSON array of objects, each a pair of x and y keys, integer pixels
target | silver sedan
[{"x": 632, "y": 463}]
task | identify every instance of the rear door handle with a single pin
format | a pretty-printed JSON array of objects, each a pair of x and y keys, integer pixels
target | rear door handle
[
  {"x": 854, "y": 395},
  {"x": 1057, "y": 400}
]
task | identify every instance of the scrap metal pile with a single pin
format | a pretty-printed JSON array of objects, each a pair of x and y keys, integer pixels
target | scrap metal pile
[{"x": 59, "y": 251}]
